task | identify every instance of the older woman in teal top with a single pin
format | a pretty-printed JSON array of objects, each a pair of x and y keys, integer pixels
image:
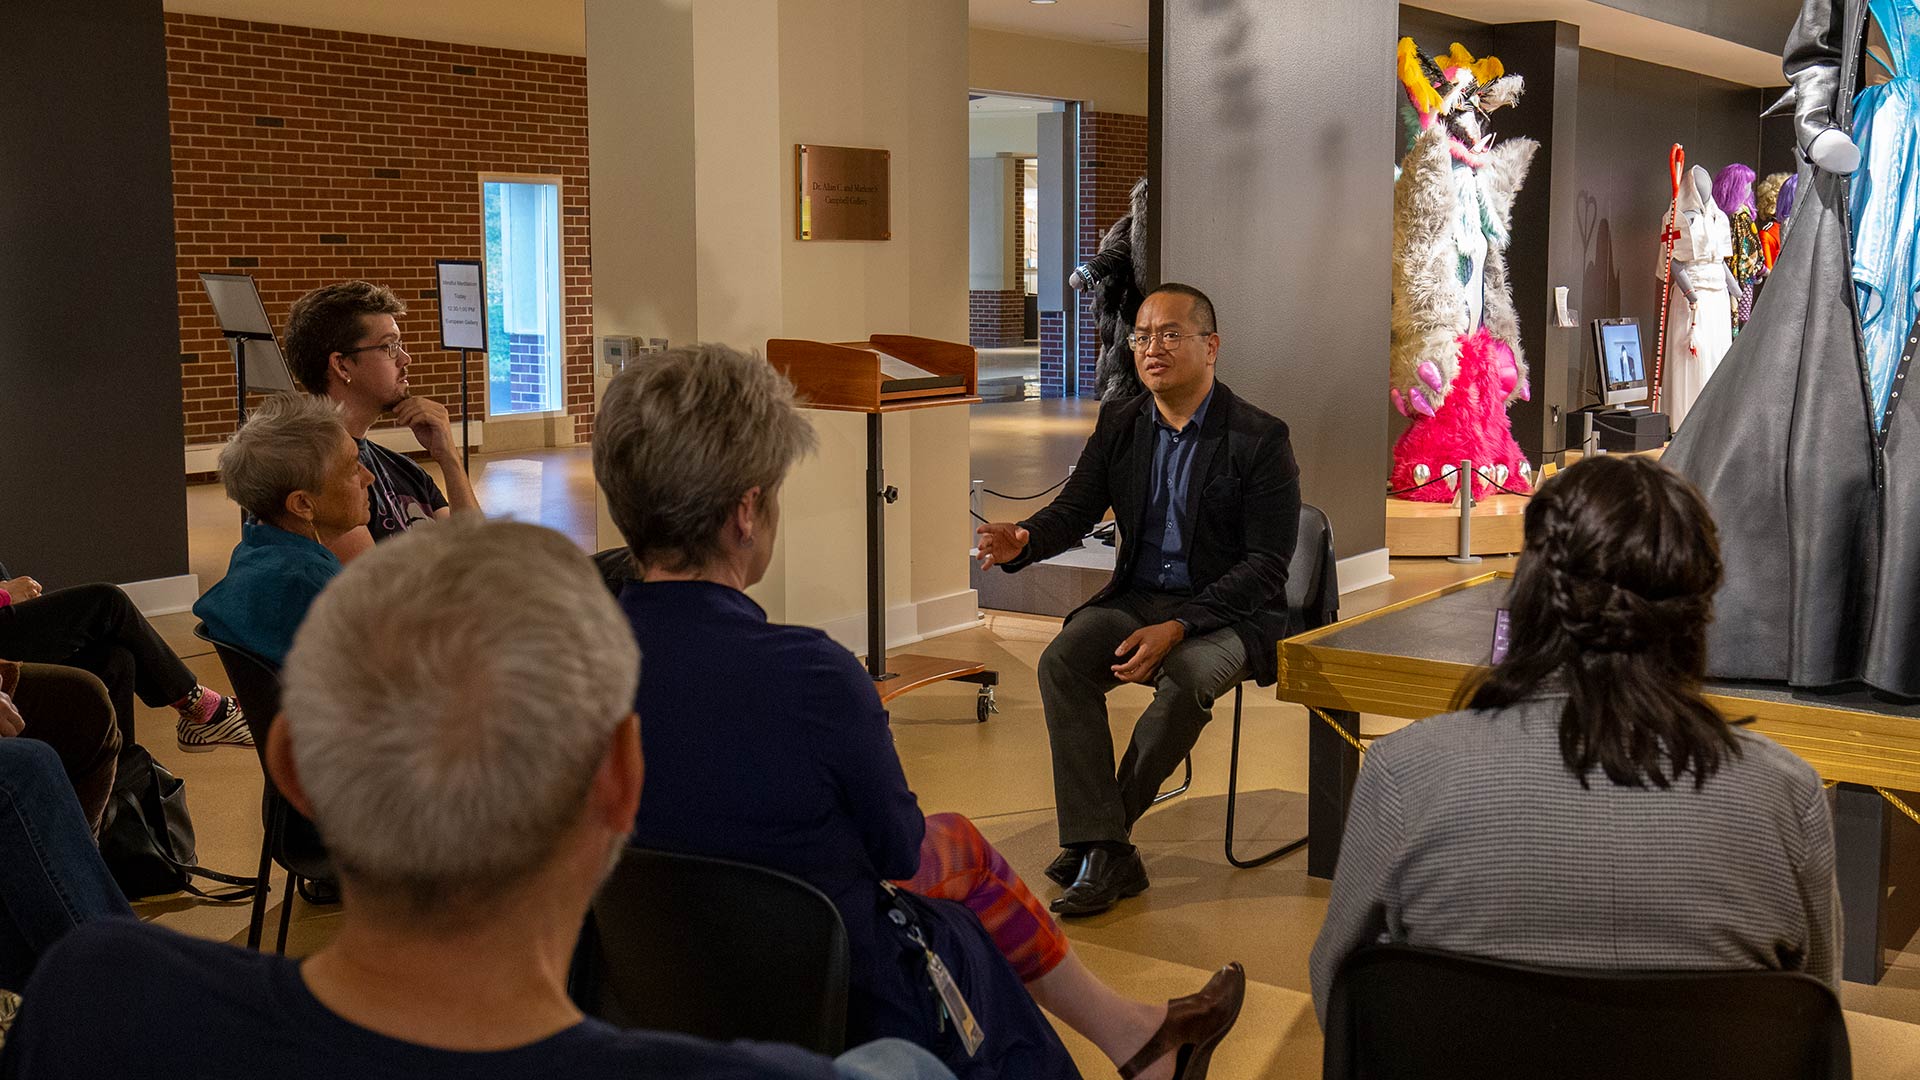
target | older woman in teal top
[{"x": 297, "y": 472}]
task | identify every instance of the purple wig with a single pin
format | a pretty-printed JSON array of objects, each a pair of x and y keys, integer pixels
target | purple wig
[
  {"x": 1783, "y": 209},
  {"x": 1733, "y": 190}
]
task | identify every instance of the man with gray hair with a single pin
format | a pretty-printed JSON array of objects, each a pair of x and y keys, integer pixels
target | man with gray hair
[{"x": 469, "y": 751}]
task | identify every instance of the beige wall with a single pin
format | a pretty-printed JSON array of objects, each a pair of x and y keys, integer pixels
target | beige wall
[
  {"x": 648, "y": 161},
  {"x": 765, "y": 75},
  {"x": 1003, "y": 133},
  {"x": 1107, "y": 79}
]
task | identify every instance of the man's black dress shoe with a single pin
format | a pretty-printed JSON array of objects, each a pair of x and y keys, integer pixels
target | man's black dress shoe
[
  {"x": 1066, "y": 866},
  {"x": 1105, "y": 879}
]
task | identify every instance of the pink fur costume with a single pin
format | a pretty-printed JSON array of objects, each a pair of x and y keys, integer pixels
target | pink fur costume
[{"x": 1471, "y": 424}]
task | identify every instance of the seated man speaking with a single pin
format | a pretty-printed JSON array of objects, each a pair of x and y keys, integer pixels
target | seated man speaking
[{"x": 1206, "y": 495}]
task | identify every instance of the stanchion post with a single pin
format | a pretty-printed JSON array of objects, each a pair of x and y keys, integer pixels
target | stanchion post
[{"x": 1465, "y": 555}]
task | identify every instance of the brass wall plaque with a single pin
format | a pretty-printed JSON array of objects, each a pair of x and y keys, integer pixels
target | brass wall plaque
[{"x": 844, "y": 193}]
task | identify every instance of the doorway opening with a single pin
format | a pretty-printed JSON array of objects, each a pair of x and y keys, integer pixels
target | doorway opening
[{"x": 1022, "y": 181}]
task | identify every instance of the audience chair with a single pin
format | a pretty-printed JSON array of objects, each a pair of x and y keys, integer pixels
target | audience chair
[
  {"x": 1419, "y": 1014},
  {"x": 1313, "y": 601},
  {"x": 289, "y": 839},
  {"x": 717, "y": 949}
]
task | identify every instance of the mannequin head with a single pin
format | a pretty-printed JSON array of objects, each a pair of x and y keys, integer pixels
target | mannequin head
[
  {"x": 1766, "y": 194},
  {"x": 1733, "y": 189}
]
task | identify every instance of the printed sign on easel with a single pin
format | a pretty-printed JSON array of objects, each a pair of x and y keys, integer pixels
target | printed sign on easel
[
  {"x": 463, "y": 305},
  {"x": 463, "y": 326}
]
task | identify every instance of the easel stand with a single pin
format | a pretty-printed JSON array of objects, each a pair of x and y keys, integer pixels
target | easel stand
[
  {"x": 847, "y": 378},
  {"x": 237, "y": 343},
  {"x": 466, "y": 442}
]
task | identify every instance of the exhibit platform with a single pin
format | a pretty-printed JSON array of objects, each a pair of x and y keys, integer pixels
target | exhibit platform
[{"x": 1417, "y": 529}]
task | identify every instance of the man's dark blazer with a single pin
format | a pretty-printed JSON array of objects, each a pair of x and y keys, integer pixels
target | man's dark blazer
[{"x": 1243, "y": 514}]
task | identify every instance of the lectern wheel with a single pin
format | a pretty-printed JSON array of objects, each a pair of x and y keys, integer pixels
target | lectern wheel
[{"x": 984, "y": 705}]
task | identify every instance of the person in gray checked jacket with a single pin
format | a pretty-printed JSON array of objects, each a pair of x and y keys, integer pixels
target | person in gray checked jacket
[{"x": 1589, "y": 809}]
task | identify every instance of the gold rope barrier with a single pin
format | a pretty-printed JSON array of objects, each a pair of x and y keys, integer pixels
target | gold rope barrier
[
  {"x": 1335, "y": 725},
  {"x": 1898, "y": 805}
]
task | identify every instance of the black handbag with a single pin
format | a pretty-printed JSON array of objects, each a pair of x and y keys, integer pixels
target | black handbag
[{"x": 146, "y": 835}]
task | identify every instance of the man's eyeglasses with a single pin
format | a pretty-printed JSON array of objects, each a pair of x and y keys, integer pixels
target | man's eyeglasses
[
  {"x": 1140, "y": 342},
  {"x": 393, "y": 349}
]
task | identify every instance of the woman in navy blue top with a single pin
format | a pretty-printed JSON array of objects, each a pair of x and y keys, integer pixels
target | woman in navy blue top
[
  {"x": 767, "y": 744},
  {"x": 297, "y": 472}
]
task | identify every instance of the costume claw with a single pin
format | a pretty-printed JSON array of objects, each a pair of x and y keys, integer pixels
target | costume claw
[
  {"x": 1420, "y": 403},
  {"x": 1430, "y": 375},
  {"x": 1399, "y": 402},
  {"x": 1526, "y": 390},
  {"x": 1422, "y": 474},
  {"x": 1450, "y": 475},
  {"x": 1500, "y": 474}
]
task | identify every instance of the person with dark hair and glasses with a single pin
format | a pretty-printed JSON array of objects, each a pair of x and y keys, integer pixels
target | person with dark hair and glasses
[
  {"x": 1587, "y": 808},
  {"x": 1206, "y": 495},
  {"x": 344, "y": 344}
]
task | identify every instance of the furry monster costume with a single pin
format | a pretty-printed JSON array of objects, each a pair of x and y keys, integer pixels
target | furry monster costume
[{"x": 1455, "y": 342}]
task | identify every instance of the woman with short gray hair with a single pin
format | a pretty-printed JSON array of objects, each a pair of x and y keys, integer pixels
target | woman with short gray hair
[
  {"x": 294, "y": 469},
  {"x": 766, "y": 744}
]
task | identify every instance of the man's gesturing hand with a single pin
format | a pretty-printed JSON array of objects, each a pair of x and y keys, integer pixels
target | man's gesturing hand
[
  {"x": 429, "y": 422},
  {"x": 1149, "y": 646},
  {"x": 21, "y": 588},
  {"x": 1000, "y": 542}
]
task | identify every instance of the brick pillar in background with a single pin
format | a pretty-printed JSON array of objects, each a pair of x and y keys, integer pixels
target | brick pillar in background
[
  {"x": 1053, "y": 367},
  {"x": 1113, "y": 155}
]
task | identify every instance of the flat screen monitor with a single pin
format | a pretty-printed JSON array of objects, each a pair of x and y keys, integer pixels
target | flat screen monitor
[{"x": 1623, "y": 369}]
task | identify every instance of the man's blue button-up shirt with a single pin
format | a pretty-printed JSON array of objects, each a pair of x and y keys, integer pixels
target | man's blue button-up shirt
[{"x": 1166, "y": 533}]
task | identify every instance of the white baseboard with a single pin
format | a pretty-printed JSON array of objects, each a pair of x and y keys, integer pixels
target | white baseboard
[
  {"x": 205, "y": 457},
  {"x": 1363, "y": 570},
  {"x": 908, "y": 623},
  {"x": 164, "y": 596}
]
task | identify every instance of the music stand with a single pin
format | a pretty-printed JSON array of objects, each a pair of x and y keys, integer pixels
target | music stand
[{"x": 257, "y": 359}]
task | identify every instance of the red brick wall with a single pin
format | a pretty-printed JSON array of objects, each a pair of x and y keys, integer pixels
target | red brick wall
[
  {"x": 307, "y": 156},
  {"x": 996, "y": 318},
  {"x": 1113, "y": 156}
]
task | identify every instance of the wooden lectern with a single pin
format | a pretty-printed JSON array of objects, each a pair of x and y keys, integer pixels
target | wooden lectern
[{"x": 888, "y": 373}]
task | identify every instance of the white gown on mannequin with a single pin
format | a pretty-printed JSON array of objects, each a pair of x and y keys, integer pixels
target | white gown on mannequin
[{"x": 1699, "y": 332}]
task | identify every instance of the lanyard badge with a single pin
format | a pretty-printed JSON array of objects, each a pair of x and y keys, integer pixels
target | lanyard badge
[{"x": 953, "y": 1004}]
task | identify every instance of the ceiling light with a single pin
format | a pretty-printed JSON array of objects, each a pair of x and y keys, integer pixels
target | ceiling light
[{"x": 1043, "y": 1}]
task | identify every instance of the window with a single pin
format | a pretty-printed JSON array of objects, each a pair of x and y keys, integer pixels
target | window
[{"x": 527, "y": 342}]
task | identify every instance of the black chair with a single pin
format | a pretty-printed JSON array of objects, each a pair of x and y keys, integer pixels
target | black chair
[
  {"x": 717, "y": 949},
  {"x": 1313, "y": 601},
  {"x": 1418, "y": 1014},
  {"x": 289, "y": 838}
]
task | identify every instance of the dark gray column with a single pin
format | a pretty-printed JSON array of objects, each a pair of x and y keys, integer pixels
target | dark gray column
[
  {"x": 91, "y": 482},
  {"x": 1545, "y": 252},
  {"x": 1273, "y": 192}
]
